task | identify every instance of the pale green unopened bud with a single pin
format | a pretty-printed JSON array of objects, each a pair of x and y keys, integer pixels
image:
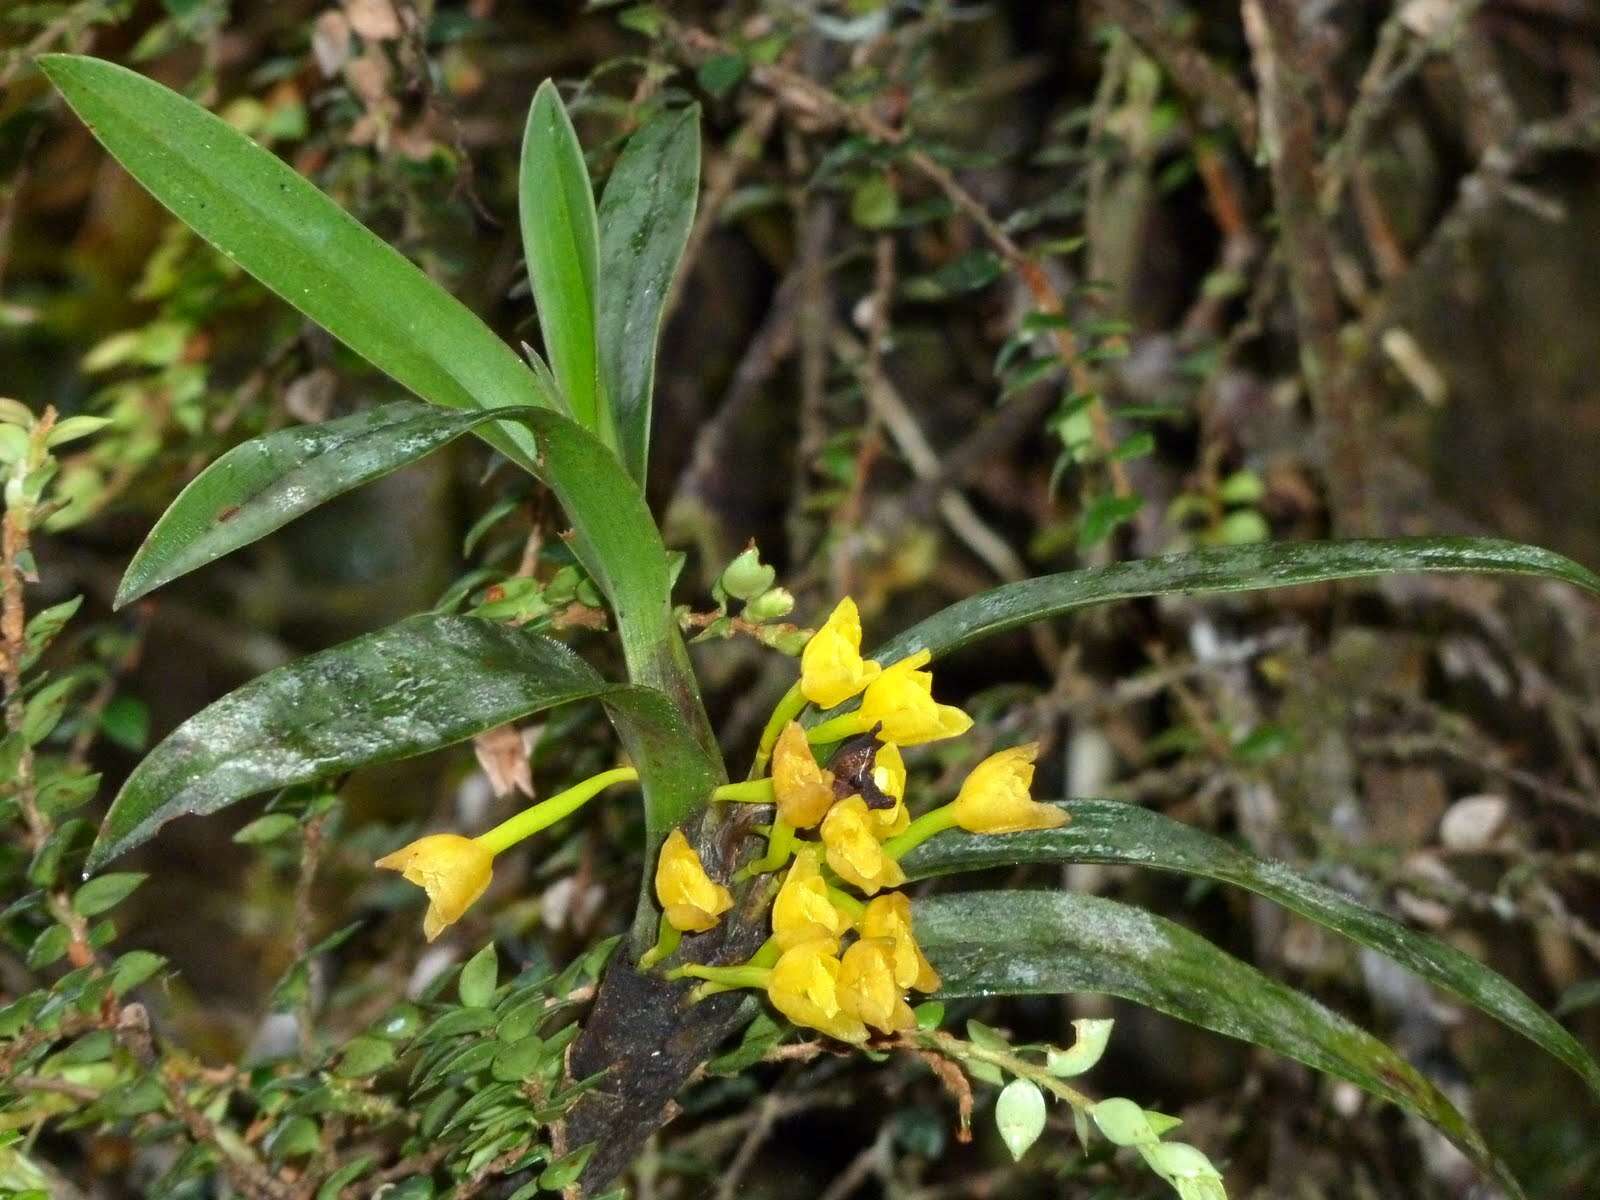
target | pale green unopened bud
[
  {"x": 784, "y": 638},
  {"x": 747, "y": 576},
  {"x": 770, "y": 604}
]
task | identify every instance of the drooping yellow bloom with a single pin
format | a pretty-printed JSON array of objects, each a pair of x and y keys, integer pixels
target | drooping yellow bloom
[
  {"x": 804, "y": 791},
  {"x": 831, "y": 667},
  {"x": 867, "y": 986},
  {"x": 889, "y": 774},
  {"x": 854, "y": 851},
  {"x": 804, "y": 986},
  {"x": 994, "y": 798},
  {"x": 802, "y": 912},
  {"x": 691, "y": 899},
  {"x": 452, "y": 869},
  {"x": 901, "y": 700},
  {"x": 888, "y": 917}
]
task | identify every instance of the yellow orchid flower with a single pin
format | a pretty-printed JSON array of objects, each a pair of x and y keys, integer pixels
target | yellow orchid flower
[
  {"x": 690, "y": 899},
  {"x": 804, "y": 986},
  {"x": 853, "y": 849},
  {"x": 803, "y": 912},
  {"x": 831, "y": 667},
  {"x": 802, "y": 789},
  {"x": 452, "y": 869},
  {"x": 994, "y": 798},
  {"x": 901, "y": 700},
  {"x": 889, "y": 774},
  {"x": 888, "y": 918},
  {"x": 867, "y": 986}
]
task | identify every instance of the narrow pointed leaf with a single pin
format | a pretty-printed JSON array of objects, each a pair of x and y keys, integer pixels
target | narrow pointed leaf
[
  {"x": 560, "y": 237},
  {"x": 1223, "y": 569},
  {"x": 645, "y": 215},
  {"x": 263, "y": 484},
  {"x": 1106, "y": 831},
  {"x": 276, "y": 225},
  {"x": 1045, "y": 943},
  {"x": 425, "y": 683}
]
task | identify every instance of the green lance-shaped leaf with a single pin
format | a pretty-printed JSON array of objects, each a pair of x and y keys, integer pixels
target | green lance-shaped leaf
[
  {"x": 645, "y": 215},
  {"x": 1106, "y": 831},
  {"x": 1045, "y": 943},
  {"x": 561, "y": 237},
  {"x": 1222, "y": 569},
  {"x": 276, "y": 225},
  {"x": 263, "y": 484},
  {"x": 427, "y": 682}
]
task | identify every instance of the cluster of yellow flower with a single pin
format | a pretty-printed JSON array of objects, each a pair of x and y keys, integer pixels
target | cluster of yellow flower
[
  {"x": 863, "y": 828},
  {"x": 855, "y": 804}
]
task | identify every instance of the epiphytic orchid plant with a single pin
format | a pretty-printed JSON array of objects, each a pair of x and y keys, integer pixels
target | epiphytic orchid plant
[{"x": 787, "y": 881}]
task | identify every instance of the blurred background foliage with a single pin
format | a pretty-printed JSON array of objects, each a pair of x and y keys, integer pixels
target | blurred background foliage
[{"x": 851, "y": 376}]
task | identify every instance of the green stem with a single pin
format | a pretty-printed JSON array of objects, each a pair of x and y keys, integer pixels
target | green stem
[
  {"x": 780, "y": 845},
  {"x": 788, "y": 709},
  {"x": 667, "y": 941},
  {"x": 739, "y": 977},
  {"x": 845, "y": 902},
  {"x": 920, "y": 830},
  {"x": 751, "y": 791},
  {"x": 547, "y": 812},
  {"x": 846, "y": 725},
  {"x": 767, "y": 955}
]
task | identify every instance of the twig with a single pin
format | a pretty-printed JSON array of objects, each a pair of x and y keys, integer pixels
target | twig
[
  {"x": 795, "y": 89},
  {"x": 60, "y": 1087},
  {"x": 1191, "y": 69},
  {"x": 872, "y": 381},
  {"x": 722, "y": 176},
  {"x": 244, "y": 1171},
  {"x": 1289, "y": 136},
  {"x": 874, "y": 1160},
  {"x": 304, "y": 922},
  {"x": 1387, "y": 72}
]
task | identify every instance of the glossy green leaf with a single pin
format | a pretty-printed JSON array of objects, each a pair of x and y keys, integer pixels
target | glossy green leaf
[
  {"x": 427, "y": 682},
  {"x": 1106, "y": 831},
  {"x": 1223, "y": 569},
  {"x": 1046, "y": 943},
  {"x": 645, "y": 215},
  {"x": 275, "y": 224},
  {"x": 560, "y": 237},
  {"x": 267, "y": 482}
]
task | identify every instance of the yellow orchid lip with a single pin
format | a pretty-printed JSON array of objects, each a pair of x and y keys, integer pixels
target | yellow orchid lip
[
  {"x": 453, "y": 870},
  {"x": 692, "y": 901},
  {"x": 831, "y": 667}
]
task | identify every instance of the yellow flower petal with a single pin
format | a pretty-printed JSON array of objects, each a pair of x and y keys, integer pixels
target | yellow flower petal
[
  {"x": 994, "y": 798},
  {"x": 691, "y": 899},
  {"x": 867, "y": 987},
  {"x": 831, "y": 667},
  {"x": 804, "y": 986},
  {"x": 803, "y": 912},
  {"x": 901, "y": 700},
  {"x": 804, "y": 790},
  {"x": 889, "y": 917},
  {"x": 853, "y": 849},
  {"x": 453, "y": 871}
]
